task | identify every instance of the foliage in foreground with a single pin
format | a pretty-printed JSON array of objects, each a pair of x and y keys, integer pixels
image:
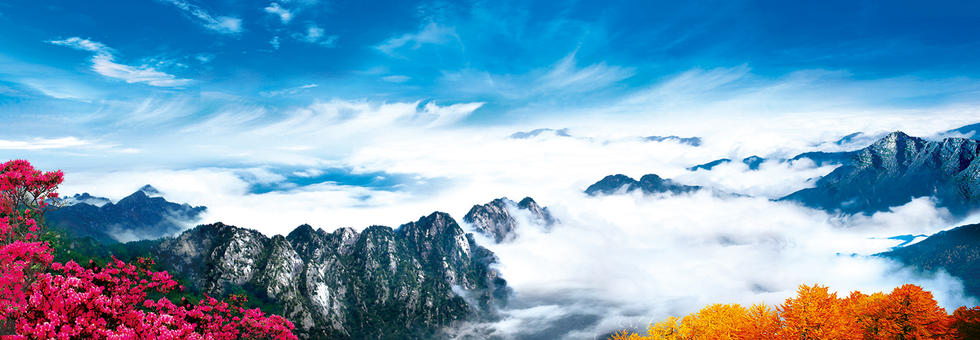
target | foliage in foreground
[
  {"x": 908, "y": 312},
  {"x": 42, "y": 298}
]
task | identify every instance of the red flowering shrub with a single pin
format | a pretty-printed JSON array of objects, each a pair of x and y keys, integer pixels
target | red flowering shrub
[{"x": 44, "y": 299}]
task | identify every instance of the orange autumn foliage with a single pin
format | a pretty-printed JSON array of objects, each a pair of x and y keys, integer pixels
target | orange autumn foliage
[{"x": 907, "y": 312}]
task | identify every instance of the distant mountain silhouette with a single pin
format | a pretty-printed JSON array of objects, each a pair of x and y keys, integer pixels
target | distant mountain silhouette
[
  {"x": 649, "y": 184},
  {"x": 141, "y": 215}
]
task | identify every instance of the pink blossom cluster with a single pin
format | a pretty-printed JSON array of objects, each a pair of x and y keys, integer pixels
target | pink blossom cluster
[{"x": 40, "y": 298}]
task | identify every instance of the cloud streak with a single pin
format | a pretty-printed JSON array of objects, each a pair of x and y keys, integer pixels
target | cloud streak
[
  {"x": 219, "y": 24},
  {"x": 103, "y": 62},
  {"x": 42, "y": 143},
  {"x": 432, "y": 33}
]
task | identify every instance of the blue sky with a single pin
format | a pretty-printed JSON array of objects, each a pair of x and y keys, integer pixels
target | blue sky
[
  {"x": 505, "y": 54},
  {"x": 333, "y": 86}
]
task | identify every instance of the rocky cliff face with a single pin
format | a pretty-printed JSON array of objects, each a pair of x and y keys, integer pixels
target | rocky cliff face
[
  {"x": 380, "y": 283},
  {"x": 142, "y": 215},
  {"x": 898, "y": 168},
  {"x": 497, "y": 219},
  {"x": 649, "y": 184}
]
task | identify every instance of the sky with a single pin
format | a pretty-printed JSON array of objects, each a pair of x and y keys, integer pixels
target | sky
[{"x": 353, "y": 113}]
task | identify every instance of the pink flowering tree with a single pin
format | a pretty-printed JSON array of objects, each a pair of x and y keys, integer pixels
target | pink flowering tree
[{"x": 40, "y": 298}]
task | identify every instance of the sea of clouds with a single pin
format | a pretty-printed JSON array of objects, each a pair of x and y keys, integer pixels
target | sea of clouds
[{"x": 614, "y": 261}]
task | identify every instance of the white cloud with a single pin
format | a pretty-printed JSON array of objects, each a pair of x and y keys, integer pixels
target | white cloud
[
  {"x": 565, "y": 75},
  {"x": 291, "y": 90},
  {"x": 274, "y": 42},
  {"x": 619, "y": 258},
  {"x": 636, "y": 259},
  {"x": 42, "y": 143},
  {"x": 103, "y": 62},
  {"x": 396, "y": 78},
  {"x": 220, "y": 24},
  {"x": 316, "y": 35},
  {"x": 104, "y": 65},
  {"x": 83, "y": 44},
  {"x": 431, "y": 33},
  {"x": 564, "y": 79},
  {"x": 204, "y": 58},
  {"x": 284, "y": 15}
]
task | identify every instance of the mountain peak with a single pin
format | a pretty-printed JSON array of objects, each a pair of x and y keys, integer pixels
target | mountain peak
[
  {"x": 611, "y": 184},
  {"x": 497, "y": 220},
  {"x": 149, "y": 190},
  {"x": 649, "y": 184},
  {"x": 304, "y": 231},
  {"x": 896, "y": 169},
  {"x": 526, "y": 203}
]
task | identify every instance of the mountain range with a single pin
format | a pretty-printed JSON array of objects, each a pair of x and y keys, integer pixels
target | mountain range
[
  {"x": 649, "y": 184},
  {"x": 414, "y": 280},
  {"x": 379, "y": 283},
  {"x": 896, "y": 169},
  {"x": 141, "y": 215}
]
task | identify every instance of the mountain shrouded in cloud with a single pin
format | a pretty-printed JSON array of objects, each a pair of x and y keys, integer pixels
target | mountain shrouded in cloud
[
  {"x": 650, "y": 184},
  {"x": 498, "y": 219},
  {"x": 898, "y": 168},
  {"x": 142, "y": 215},
  {"x": 955, "y": 251},
  {"x": 406, "y": 282}
]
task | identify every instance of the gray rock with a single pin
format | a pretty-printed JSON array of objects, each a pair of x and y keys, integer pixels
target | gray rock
[{"x": 407, "y": 282}]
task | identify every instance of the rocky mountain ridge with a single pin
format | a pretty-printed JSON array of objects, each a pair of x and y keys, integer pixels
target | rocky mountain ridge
[
  {"x": 896, "y": 169},
  {"x": 382, "y": 282},
  {"x": 497, "y": 219}
]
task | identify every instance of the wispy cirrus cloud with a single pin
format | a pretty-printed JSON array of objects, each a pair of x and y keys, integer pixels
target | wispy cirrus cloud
[
  {"x": 396, "y": 78},
  {"x": 291, "y": 90},
  {"x": 563, "y": 78},
  {"x": 103, "y": 62},
  {"x": 42, "y": 143},
  {"x": 431, "y": 33},
  {"x": 220, "y": 24}
]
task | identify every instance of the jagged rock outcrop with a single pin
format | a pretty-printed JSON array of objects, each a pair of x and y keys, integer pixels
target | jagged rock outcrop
[
  {"x": 379, "y": 283},
  {"x": 896, "y": 169},
  {"x": 497, "y": 219},
  {"x": 142, "y": 215},
  {"x": 649, "y": 184},
  {"x": 957, "y": 251}
]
